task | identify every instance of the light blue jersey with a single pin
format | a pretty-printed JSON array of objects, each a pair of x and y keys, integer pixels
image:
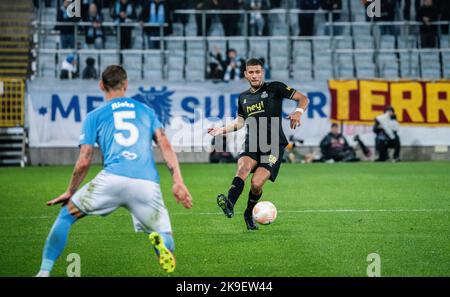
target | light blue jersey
[{"x": 124, "y": 128}]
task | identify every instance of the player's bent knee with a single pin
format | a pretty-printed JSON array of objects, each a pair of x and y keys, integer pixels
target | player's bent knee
[{"x": 256, "y": 186}]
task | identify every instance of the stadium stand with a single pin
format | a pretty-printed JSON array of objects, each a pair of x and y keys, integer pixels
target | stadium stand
[
  {"x": 16, "y": 38},
  {"x": 356, "y": 47}
]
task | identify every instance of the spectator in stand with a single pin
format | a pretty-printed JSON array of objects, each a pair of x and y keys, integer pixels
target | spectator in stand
[
  {"x": 230, "y": 21},
  {"x": 94, "y": 34},
  {"x": 256, "y": 18},
  {"x": 86, "y": 6},
  {"x": 89, "y": 72},
  {"x": 205, "y": 5},
  {"x": 407, "y": 8},
  {"x": 275, "y": 3},
  {"x": 67, "y": 31},
  {"x": 444, "y": 8},
  {"x": 69, "y": 68},
  {"x": 331, "y": 5},
  {"x": 123, "y": 12},
  {"x": 233, "y": 66},
  {"x": 154, "y": 12},
  {"x": 215, "y": 71},
  {"x": 427, "y": 14},
  {"x": 387, "y": 15},
  {"x": 201, "y": 5},
  {"x": 177, "y": 4},
  {"x": 306, "y": 20}
]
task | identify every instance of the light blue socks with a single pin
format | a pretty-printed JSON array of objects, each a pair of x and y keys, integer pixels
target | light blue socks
[{"x": 57, "y": 239}]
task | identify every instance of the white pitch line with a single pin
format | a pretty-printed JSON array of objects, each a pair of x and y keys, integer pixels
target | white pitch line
[
  {"x": 329, "y": 211},
  {"x": 280, "y": 211}
]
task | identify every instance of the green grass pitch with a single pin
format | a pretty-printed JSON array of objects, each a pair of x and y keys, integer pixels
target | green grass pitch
[{"x": 331, "y": 216}]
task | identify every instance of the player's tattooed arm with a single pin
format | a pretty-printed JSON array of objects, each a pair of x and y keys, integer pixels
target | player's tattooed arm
[
  {"x": 179, "y": 189},
  {"x": 233, "y": 126},
  {"x": 79, "y": 173},
  {"x": 81, "y": 167}
]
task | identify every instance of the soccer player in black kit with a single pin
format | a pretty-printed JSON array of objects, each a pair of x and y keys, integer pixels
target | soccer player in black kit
[{"x": 260, "y": 109}]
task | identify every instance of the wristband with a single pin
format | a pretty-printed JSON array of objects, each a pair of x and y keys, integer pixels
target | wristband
[{"x": 300, "y": 110}]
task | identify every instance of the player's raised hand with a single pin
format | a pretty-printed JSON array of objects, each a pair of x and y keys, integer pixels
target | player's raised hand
[
  {"x": 63, "y": 198},
  {"x": 182, "y": 195},
  {"x": 295, "y": 119},
  {"x": 215, "y": 131}
]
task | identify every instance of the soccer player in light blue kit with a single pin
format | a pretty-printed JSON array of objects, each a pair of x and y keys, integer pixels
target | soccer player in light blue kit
[{"x": 124, "y": 129}]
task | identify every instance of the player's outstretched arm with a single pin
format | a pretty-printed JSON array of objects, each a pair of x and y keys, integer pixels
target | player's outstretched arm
[
  {"x": 302, "y": 104},
  {"x": 233, "y": 126},
  {"x": 78, "y": 175},
  {"x": 179, "y": 189}
]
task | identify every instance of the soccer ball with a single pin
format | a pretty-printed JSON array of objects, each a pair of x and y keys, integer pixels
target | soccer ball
[{"x": 264, "y": 212}]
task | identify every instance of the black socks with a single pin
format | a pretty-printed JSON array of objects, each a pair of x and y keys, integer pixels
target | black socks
[
  {"x": 252, "y": 200},
  {"x": 236, "y": 189}
]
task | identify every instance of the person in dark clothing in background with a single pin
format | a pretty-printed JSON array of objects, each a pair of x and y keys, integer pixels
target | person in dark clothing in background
[
  {"x": 85, "y": 7},
  {"x": 306, "y": 20},
  {"x": 335, "y": 147},
  {"x": 94, "y": 34},
  {"x": 123, "y": 12},
  {"x": 444, "y": 8},
  {"x": 331, "y": 5},
  {"x": 155, "y": 12},
  {"x": 230, "y": 21},
  {"x": 89, "y": 72},
  {"x": 67, "y": 31},
  {"x": 233, "y": 66},
  {"x": 205, "y": 5},
  {"x": 387, "y": 15},
  {"x": 427, "y": 14},
  {"x": 386, "y": 129},
  {"x": 407, "y": 8}
]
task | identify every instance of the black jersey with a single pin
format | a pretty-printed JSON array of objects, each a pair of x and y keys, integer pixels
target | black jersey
[{"x": 262, "y": 107}]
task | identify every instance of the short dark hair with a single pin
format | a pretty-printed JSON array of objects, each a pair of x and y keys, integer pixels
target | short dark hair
[
  {"x": 334, "y": 125},
  {"x": 113, "y": 77},
  {"x": 389, "y": 108},
  {"x": 254, "y": 62}
]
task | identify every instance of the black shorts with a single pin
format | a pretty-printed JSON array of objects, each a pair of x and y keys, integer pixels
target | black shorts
[{"x": 267, "y": 160}]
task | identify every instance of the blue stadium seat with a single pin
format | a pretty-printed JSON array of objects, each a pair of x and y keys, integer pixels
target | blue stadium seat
[
  {"x": 301, "y": 47},
  {"x": 364, "y": 42},
  {"x": 387, "y": 42},
  {"x": 258, "y": 48},
  {"x": 366, "y": 71},
  {"x": 46, "y": 66},
  {"x": 108, "y": 57},
  {"x": 278, "y": 48},
  {"x": 282, "y": 75},
  {"x": 133, "y": 61},
  {"x": 409, "y": 65},
  {"x": 152, "y": 68},
  {"x": 322, "y": 74},
  {"x": 430, "y": 65},
  {"x": 388, "y": 64},
  {"x": 446, "y": 64},
  {"x": 344, "y": 42}
]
